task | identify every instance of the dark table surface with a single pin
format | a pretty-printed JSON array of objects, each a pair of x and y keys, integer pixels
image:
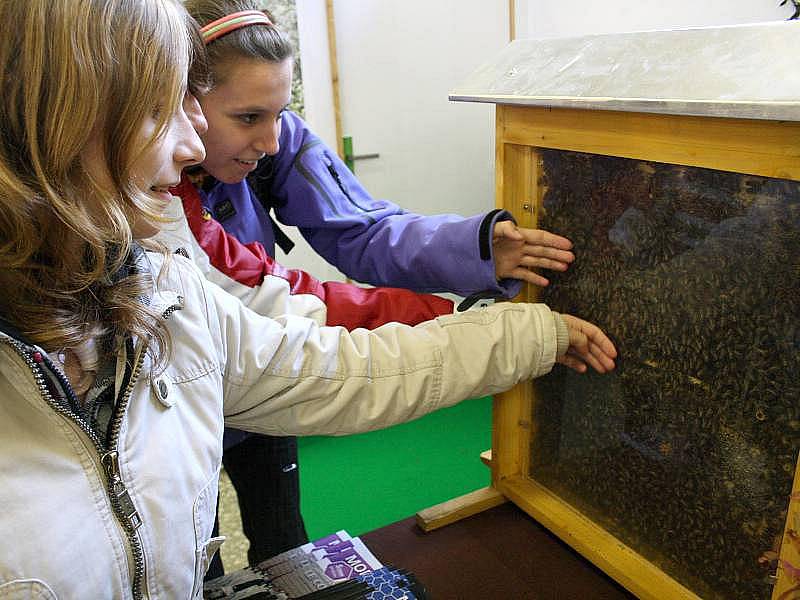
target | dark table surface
[{"x": 501, "y": 553}]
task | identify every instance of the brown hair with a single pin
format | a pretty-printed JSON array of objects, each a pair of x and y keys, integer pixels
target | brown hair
[
  {"x": 71, "y": 70},
  {"x": 263, "y": 42}
]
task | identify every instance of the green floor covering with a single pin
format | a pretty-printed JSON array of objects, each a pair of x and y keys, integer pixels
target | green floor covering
[
  {"x": 361, "y": 482},
  {"x": 364, "y": 481}
]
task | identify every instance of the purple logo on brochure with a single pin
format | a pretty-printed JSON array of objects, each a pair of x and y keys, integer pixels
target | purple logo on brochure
[
  {"x": 338, "y": 570},
  {"x": 357, "y": 564},
  {"x": 330, "y": 540}
]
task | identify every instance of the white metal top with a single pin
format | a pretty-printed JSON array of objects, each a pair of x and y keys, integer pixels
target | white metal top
[{"x": 745, "y": 71}]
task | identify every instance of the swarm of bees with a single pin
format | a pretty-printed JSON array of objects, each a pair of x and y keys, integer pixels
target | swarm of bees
[{"x": 687, "y": 451}]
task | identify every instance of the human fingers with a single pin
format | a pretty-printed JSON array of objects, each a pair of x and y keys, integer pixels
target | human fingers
[
  {"x": 540, "y": 237},
  {"x": 603, "y": 357},
  {"x": 530, "y": 276},
  {"x": 573, "y": 363},
  {"x": 549, "y": 252},
  {"x": 539, "y": 262},
  {"x": 599, "y": 340},
  {"x": 590, "y": 343},
  {"x": 580, "y": 361},
  {"x": 507, "y": 229},
  {"x": 580, "y": 358},
  {"x": 592, "y": 333},
  {"x": 598, "y": 362}
]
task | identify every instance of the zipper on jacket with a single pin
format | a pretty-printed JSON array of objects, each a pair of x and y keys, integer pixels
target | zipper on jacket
[
  {"x": 115, "y": 486},
  {"x": 331, "y": 167},
  {"x": 129, "y": 517},
  {"x": 335, "y": 174},
  {"x": 119, "y": 497},
  {"x": 316, "y": 182},
  {"x": 117, "y": 492}
]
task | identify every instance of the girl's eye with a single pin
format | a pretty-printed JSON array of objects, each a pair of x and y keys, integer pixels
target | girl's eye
[{"x": 248, "y": 118}]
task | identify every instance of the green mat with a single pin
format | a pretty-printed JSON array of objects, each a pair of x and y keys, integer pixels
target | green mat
[{"x": 365, "y": 481}]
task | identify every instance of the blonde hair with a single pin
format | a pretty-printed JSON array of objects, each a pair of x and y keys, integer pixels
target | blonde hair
[{"x": 71, "y": 70}]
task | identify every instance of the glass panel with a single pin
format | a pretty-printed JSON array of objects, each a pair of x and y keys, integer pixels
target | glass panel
[{"x": 687, "y": 451}]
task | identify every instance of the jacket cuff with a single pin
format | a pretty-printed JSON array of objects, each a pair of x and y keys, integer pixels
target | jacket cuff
[
  {"x": 562, "y": 335},
  {"x": 487, "y": 228},
  {"x": 507, "y": 287}
]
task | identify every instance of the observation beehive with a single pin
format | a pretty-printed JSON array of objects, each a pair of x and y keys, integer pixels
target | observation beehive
[{"x": 672, "y": 160}]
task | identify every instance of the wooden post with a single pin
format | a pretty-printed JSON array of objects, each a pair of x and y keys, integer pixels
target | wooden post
[
  {"x": 337, "y": 110},
  {"x": 512, "y": 20}
]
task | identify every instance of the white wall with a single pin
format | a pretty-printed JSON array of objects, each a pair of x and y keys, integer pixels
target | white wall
[
  {"x": 312, "y": 25},
  {"x": 555, "y": 18},
  {"x": 397, "y": 63}
]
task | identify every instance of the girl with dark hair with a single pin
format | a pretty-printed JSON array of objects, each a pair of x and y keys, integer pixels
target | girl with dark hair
[{"x": 262, "y": 157}]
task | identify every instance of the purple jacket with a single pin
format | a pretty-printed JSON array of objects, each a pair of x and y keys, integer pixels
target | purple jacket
[{"x": 372, "y": 241}]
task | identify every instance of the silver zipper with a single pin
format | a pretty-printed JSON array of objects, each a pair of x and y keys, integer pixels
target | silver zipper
[
  {"x": 117, "y": 492},
  {"x": 119, "y": 497}
]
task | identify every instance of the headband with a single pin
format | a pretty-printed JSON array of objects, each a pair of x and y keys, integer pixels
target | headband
[{"x": 232, "y": 22}]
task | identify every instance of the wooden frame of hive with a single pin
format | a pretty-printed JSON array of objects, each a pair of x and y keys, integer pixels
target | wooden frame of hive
[{"x": 751, "y": 146}]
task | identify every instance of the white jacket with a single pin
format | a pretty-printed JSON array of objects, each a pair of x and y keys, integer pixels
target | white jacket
[{"x": 60, "y": 536}]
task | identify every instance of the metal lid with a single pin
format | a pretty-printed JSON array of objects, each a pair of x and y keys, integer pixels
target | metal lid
[{"x": 746, "y": 71}]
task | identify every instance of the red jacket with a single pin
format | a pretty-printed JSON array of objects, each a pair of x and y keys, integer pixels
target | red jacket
[{"x": 250, "y": 273}]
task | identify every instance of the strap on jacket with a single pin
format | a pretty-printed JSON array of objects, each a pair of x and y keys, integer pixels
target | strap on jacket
[
  {"x": 282, "y": 240},
  {"x": 259, "y": 182}
]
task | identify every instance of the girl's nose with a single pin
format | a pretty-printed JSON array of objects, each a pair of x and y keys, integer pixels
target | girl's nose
[
  {"x": 268, "y": 140},
  {"x": 189, "y": 150},
  {"x": 195, "y": 114}
]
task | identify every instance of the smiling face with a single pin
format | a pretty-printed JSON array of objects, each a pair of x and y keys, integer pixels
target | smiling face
[
  {"x": 158, "y": 166},
  {"x": 244, "y": 116}
]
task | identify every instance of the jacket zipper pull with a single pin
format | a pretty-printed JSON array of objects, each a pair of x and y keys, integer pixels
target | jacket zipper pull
[
  {"x": 337, "y": 178},
  {"x": 120, "y": 498}
]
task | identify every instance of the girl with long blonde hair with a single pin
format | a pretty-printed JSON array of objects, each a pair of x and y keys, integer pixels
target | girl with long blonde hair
[{"x": 119, "y": 365}]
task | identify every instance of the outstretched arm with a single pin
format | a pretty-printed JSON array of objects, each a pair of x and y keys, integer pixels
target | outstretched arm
[
  {"x": 290, "y": 376},
  {"x": 248, "y": 272},
  {"x": 377, "y": 242}
]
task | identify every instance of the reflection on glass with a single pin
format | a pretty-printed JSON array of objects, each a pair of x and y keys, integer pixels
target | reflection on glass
[{"x": 687, "y": 451}]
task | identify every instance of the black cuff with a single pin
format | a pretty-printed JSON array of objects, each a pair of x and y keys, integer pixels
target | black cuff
[{"x": 485, "y": 231}]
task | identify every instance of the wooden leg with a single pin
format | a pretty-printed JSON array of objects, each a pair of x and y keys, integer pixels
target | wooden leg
[{"x": 459, "y": 508}]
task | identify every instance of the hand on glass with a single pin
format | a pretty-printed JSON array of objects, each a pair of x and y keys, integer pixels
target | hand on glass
[
  {"x": 518, "y": 250},
  {"x": 588, "y": 347}
]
